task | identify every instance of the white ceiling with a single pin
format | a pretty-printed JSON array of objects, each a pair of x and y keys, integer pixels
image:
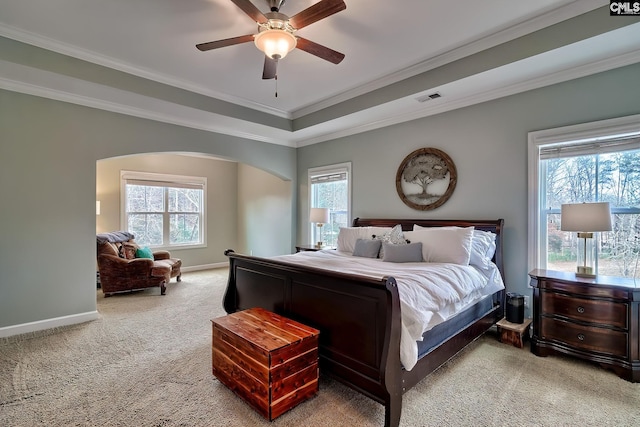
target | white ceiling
[{"x": 384, "y": 42}]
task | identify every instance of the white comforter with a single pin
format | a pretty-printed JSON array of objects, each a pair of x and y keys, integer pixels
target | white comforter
[{"x": 430, "y": 293}]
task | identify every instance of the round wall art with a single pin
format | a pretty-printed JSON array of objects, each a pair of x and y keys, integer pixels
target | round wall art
[{"x": 426, "y": 179}]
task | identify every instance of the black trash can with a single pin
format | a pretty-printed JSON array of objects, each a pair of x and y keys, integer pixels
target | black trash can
[{"x": 515, "y": 307}]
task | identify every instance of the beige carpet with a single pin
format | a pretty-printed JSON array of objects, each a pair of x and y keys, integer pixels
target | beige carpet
[{"x": 147, "y": 362}]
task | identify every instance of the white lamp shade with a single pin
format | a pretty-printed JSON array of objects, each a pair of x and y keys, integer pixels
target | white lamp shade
[
  {"x": 275, "y": 43},
  {"x": 585, "y": 217},
  {"x": 319, "y": 215}
]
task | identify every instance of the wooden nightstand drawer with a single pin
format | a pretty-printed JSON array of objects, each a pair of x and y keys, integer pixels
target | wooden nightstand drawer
[
  {"x": 596, "y": 319},
  {"x": 582, "y": 290},
  {"x": 585, "y": 310},
  {"x": 588, "y": 338}
]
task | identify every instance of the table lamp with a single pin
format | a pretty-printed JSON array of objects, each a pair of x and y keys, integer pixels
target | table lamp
[
  {"x": 321, "y": 217},
  {"x": 585, "y": 219}
]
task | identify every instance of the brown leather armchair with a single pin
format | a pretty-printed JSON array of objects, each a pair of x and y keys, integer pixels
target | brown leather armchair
[{"x": 122, "y": 272}]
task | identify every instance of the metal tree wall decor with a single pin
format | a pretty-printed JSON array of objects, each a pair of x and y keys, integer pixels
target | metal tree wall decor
[{"x": 426, "y": 179}]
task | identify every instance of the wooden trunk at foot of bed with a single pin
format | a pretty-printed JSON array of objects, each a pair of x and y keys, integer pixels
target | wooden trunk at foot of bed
[{"x": 358, "y": 317}]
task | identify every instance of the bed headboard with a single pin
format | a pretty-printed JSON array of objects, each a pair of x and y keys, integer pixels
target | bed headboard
[{"x": 495, "y": 226}]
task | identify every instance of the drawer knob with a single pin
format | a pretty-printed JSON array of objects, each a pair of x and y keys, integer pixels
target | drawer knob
[
  {"x": 580, "y": 309},
  {"x": 581, "y": 337}
]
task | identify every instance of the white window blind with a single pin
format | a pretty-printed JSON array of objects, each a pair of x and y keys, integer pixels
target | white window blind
[{"x": 574, "y": 149}]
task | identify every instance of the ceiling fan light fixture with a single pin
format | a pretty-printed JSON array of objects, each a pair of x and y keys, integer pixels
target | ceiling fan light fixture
[{"x": 276, "y": 44}]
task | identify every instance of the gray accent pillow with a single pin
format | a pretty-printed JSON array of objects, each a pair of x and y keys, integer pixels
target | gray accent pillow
[
  {"x": 367, "y": 248},
  {"x": 411, "y": 252},
  {"x": 394, "y": 236}
]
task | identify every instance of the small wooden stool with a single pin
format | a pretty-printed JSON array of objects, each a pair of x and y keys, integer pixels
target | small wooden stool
[{"x": 513, "y": 333}]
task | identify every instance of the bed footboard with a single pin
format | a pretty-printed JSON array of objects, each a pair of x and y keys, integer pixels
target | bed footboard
[{"x": 358, "y": 318}]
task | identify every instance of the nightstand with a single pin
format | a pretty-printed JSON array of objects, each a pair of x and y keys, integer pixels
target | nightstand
[
  {"x": 311, "y": 248},
  {"x": 595, "y": 319}
]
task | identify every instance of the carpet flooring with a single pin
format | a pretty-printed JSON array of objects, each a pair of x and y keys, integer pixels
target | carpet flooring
[{"x": 147, "y": 362}]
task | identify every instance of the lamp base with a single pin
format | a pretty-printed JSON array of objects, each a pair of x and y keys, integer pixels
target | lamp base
[{"x": 584, "y": 271}]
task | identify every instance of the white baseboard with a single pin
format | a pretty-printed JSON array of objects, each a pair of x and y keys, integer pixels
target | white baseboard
[
  {"x": 26, "y": 328},
  {"x": 204, "y": 267},
  {"x": 40, "y": 325}
]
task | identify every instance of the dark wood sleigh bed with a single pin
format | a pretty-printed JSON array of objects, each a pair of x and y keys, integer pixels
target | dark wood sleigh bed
[{"x": 358, "y": 317}]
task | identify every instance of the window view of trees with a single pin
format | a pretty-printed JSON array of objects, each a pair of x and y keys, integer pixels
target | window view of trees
[
  {"x": 164, "y": 216},
  {"x": 184, "y": 215},
  {"x": 332, "y": 195},
  {"x": 330, "y": 189},
  {"x": 145, "y": 208},
  {"x": 606, "y": 177}
]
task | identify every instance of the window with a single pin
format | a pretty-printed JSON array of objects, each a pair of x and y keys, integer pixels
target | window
[
  {"x": 164, "y": 210},
  {"x": 329, "y": 187},
  {"x": 598, "y": 162}
]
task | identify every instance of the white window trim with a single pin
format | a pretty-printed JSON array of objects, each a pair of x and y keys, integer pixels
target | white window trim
[
  {"x": 628, "y": 125},
  {"x": 323, "y": 170},
  {"x": 151, "y": 176}
]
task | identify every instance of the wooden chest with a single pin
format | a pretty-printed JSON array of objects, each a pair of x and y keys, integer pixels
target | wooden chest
[{"x": 268, "y": 360}]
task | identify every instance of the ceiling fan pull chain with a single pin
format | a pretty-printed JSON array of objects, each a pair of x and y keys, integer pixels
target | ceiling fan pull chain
[{"x": 276, "y": 78}]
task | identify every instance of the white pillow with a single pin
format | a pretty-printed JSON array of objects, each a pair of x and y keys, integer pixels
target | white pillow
[
  {"x": 483, "y": 246},
  {"x": 347, "y": 236},
  {"x": 444, "y": 244}
]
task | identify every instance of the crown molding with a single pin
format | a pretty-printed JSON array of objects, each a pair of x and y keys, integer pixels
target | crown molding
[
  {"x": 38, "y": 82},
  {"x": 501, "y": 92},
  {"x": 542, "y": 21},
  {"x": 23, "y": 79},
  {"x": 557, "y": 15},
  {"x": 105, "y": 61},
  {"x": 33, "y": 81}
]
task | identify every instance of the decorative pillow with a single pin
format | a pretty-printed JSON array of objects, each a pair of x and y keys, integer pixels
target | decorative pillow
[
  {"x": 443, "y": 244},
  {"x": 367, "y": 248},
  {"x": 410, "y": 252},
  {"x": 348, "y": 236},
  {"x": 395, "y": 236},
  {"x": 144, "y": 253},
  {"x": 129, "y": 249}
]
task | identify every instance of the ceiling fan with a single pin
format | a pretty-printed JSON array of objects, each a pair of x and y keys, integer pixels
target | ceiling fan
[{"x": 276, "y": 31}]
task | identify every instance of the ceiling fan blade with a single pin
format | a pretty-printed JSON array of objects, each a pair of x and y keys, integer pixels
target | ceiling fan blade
[
  {"x": 248, "y": 8},
  {"x": 319, "y": 50},
  {"x": 270, "y": 68},
  {"x": 226, "y": 42},
  {"x": 314, "y": 13}
]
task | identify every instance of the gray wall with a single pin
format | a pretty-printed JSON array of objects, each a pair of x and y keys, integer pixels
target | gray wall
[
  {"x": 49, "y": 150},
  {"x": 48, "y": 155},
  {"x": 488, "y": 144},
  {"x": 264, "y": 206}
]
